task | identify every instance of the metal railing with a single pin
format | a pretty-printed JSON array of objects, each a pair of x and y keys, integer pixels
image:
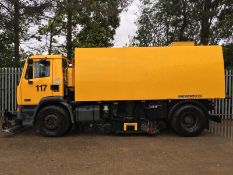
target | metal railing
[
  {"x": 224, "y": 109},
  {"x": 9, "y": 78}
]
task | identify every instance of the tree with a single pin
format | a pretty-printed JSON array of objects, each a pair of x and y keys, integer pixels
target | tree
[
  {"x": 54, "y": 26},
  {"x": 223, "y": 28},
  {"x": 19, "y": 14},
  {"x": 89, "y": 23},
  {"x": 95, "y": 23},
  {"x": 6, "y": 47},
  {"x": 228, "y": 56},
  {"x": 164, "y": 21},
  {"x": 213, "y": 17},
  {"x": 98, "y": 23}
]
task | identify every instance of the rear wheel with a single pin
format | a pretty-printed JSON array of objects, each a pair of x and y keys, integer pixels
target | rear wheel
[
  {"x": 188, "y": 120},
  {"x": 53, "y": 121}
]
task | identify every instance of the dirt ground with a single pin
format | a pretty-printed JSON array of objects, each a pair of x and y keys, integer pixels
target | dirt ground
[{"x": 89, "y": 153}]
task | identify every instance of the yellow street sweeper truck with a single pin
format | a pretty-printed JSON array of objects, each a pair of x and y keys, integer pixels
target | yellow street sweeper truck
[{"x": 121, "y": 90}]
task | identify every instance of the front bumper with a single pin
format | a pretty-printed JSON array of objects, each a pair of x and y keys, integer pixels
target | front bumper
[{"x": 10, "y": 123}]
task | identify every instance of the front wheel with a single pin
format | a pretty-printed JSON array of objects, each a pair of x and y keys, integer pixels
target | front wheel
[
  {"x": 53, "y": 121},
  {"x": 189, "y": 120}
]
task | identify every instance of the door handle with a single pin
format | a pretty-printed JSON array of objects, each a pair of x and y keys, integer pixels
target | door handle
[
  {"x": 30, "y": 81},
  {"x": 27, "y": 100}
]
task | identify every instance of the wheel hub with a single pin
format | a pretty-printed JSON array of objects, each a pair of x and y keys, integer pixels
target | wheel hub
[
  {"x": 189, "y": 121},
  {"x": 51, "y": 121}
]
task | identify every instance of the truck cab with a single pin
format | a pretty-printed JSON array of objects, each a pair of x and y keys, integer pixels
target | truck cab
[{"x": 42, "y": 76}]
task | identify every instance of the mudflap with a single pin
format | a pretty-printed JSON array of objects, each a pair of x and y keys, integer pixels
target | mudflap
[
  {"x": 10, "y": 123},
  {"x": 215, "y": 118}
]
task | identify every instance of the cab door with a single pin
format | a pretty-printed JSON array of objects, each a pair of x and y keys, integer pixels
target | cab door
[{"x": 37, "y": 81}]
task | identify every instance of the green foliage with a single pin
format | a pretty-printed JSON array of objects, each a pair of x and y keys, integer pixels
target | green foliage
[
  {"x": 6, "y": 38},
  {"x": 16, "y": 17},
  {"x": 55, "y": 27},
  {"x": 6, "y": 50},
  {"x": 228, "y": 56},
  {"x": 164, "y": 21},
  {"x": 98, "y": 22},
  {"x": 89, "y": 23}
]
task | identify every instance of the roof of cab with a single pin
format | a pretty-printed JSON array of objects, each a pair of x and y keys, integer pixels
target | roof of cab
[{"x": 46, "y": 56}]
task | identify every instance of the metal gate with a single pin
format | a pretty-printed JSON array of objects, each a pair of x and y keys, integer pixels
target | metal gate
[
  {"x": 9, "y": 78},
  {"x": 224, "y": 109}
]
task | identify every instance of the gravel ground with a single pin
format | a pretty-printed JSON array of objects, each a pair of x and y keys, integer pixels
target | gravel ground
[{"x": 89, "y": 153}]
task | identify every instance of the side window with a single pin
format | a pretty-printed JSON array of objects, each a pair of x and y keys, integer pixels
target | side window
[
  {"x": 41, "y": 69},
  {"x": 29, "y": 71}
]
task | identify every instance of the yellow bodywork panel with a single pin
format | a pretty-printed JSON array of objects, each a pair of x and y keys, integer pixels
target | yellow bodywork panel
[
  {"x": 70, "y": 77},
  {"x": 150, "y": 73},
  {"x": 184, "y": 43}
]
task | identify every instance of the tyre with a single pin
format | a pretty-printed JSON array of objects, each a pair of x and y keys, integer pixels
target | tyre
[
  {"x": 6, "y": 125},
  {"x": 53, "y": 121},
  {"x": 189, "y": 121}
]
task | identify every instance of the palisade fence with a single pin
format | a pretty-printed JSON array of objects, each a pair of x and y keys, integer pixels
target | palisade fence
[
  {"x": 224, "y": 109},
  {"x": 9, "y": 78}
]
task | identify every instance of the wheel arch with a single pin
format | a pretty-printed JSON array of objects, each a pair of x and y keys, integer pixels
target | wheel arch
[
  {"x": 51, "y": 101},
  {"x": 197, "y": 103}
]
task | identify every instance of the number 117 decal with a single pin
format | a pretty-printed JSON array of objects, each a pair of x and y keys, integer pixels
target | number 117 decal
[{"x": 41, "y": 88}]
